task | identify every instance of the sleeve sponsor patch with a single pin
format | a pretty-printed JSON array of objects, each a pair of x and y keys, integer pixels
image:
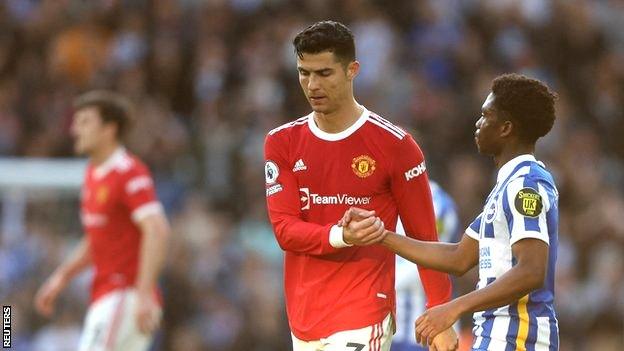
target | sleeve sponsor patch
[
  {"x": 416, "y": 171},
  {"x": 138, "y": 183},
  {"x": 271, "y": 172},
  {"x": 528, "y": 202},
  {"x": 273, "y": 189}
]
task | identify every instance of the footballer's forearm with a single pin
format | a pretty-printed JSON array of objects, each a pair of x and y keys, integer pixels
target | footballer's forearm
[
  {"x": 76, "y": 262},
  {"x": 444, "y": 257},
  {"x": 155, "y": 234},
  {"x": 507, "y": 289},
  {"x": 298, "y": 236},
  {"x": 528, "y": 274}
]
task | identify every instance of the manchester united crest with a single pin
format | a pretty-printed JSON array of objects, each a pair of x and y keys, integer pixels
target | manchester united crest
[
  {"x": 101, "y": 195},
  {"x": 363, "y": 166}
]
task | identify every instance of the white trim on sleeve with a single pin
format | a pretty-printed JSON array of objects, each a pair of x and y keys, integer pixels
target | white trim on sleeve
[
  {"x": 145, "y": 210},
  {"x": 471, "y": 233},
  {"x": 335, "y": 238}
]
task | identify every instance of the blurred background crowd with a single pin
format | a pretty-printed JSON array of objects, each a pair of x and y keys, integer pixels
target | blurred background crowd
[{"x": 211, "y": 77}]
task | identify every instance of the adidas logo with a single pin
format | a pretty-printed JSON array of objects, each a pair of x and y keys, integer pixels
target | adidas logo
[{"x": 299, "y": 166}]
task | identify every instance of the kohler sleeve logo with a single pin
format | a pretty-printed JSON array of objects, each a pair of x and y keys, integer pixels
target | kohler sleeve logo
[{"x": 416, "y": 171}]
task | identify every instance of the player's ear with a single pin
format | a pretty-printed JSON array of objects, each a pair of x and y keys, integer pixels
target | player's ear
[
  {"x": 112, "y": 130},
  {"x": 353, "y": 68},
  {"x": 507, "y": 129}
]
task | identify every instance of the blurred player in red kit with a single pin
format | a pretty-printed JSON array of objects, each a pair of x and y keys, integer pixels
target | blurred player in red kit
[
  {"x": 340, "y": 295},
  {"x": 126, "y": 233}
]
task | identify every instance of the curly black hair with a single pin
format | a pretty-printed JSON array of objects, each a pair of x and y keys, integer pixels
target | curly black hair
[
  {"x": 326, "y": 36},
  {"x": 528, "y": 102}
]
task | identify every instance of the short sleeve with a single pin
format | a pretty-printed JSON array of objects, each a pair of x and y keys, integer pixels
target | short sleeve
[
  {"x": 474, "y": 227},
  {"x": 139, "y": 194},
  {"x": 525, "y": 204}
]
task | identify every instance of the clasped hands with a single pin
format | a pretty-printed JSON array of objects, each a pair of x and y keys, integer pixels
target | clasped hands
[{"x": 361, "y": 228}]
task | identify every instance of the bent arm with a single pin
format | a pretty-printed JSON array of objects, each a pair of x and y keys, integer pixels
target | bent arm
[
  {"x": 285, "y": 207},
  {"x": 453, "y": 258},
  {"x": 527, "y": 275},
  {"x": 296, "y": 235},
  {"x": 76, "y": 262}
]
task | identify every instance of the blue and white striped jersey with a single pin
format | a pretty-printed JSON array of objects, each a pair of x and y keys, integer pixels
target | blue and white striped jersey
[
  {"x": 410, "y": 296},
  {"x": 523, "y": 204}
]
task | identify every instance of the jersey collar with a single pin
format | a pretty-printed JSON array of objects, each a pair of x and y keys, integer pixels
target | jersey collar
[
  {"x": 103, "y": 169},
  {"x": 508, "y": 167},
  {"x": 341, "y": 135}
]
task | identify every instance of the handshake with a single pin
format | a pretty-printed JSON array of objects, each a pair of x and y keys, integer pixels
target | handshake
[{"x": 361, "y": 227}]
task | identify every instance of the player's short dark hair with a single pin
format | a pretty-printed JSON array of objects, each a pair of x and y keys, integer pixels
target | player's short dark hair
[
  {"x": 326, "y": 36},
  {"x": 528, "y": 103},
  {"x": 112, "y": 108}
]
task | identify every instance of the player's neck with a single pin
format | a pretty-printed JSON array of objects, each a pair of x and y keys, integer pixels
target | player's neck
[
  {"x": 512, "y": 151},
  {"x": 103, "y": 153},
  {"x": 339, "y": 120}
]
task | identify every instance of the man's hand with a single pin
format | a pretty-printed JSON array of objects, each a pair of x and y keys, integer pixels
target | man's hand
[
  {"x": 445, "y": 341},
  {"x": 45, "y": 299},
  {"x": 361, "y": 227},
  {"x": 147, "y": 313},
  {"x": 355, "y": 213},
  {"x": 434, "y": 321}
]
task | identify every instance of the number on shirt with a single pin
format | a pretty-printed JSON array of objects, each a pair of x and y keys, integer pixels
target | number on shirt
[{"x": 357, "y": 347}]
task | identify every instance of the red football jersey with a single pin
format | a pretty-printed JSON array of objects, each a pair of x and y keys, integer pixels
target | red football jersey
[
  {"x": 115, "y": 196},
  {"x": 312, "y": 178}
]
